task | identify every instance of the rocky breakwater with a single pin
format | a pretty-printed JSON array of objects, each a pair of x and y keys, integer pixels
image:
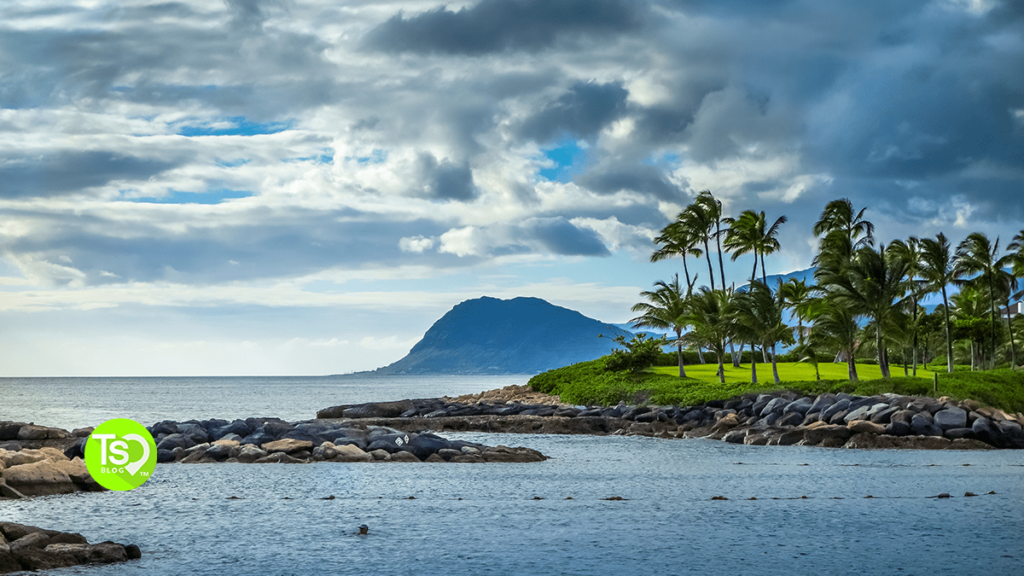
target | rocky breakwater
[
  {"x": 270, "y": 440},
  {"x": 842, "y": 420},
  {"x": 784, "y": 418},
  {"x": 30, "y": 548},
  {"x": 34, "y": 461}
]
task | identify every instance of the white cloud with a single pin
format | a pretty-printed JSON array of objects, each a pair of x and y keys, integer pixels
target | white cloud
[{"x": 416, "y": 244}]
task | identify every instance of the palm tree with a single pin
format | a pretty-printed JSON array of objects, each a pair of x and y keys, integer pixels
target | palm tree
[
  {"x": 1016, "y": 256},
  {"x": 758, "y": 314},
  {"x": 910, "y": 251},
  {"x": 694, "y": 222},
  {"x": 713, "y": 207},
  {"x": 875, "y": 285},
  {"x": 838, "y": 216},
  {"x": 977, "y": 255},
  {"x": 797, "y": 296},
  {"x": 677, "y": 240},
  {"x": 969, "y": 311},
  {"x": 939, "y": 269},
  {"x": 748, "y": 233},
  {"x": 835, "y": 328},
  {"x": 666, "y": 309},
  {"x": 710, "y": 314}
]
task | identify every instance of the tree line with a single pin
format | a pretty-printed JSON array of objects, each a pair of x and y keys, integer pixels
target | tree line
[{"x": 864, "y": 301}]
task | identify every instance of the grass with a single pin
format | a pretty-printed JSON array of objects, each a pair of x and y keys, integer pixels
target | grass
[
  {"x": 788, "y": 372},
  {"x": 589, "y": 383}
]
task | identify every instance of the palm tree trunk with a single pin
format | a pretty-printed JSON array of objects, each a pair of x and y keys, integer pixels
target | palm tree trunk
[
  {"x": 992, "y": 310},
  {"x": 700, "y": 355},
  {"x": 1009, "y": 332},
  {"x": 721, "y": 368},
  {"x": 711, "y": 271},
  {"x": 679, "y": 353},
  {"x": 915, "y": 336},
  {"x": 949, "y": 339},
  {"x": 972, "y": 354},
  {"x": 687, "y": 272},
  {"x": 775, "y": 367},
  {"x": 718, "y": 241},
  {"x": 881, "y": 351},
  {"x": 764, "y": 277},
  {"x": 851, "y": 366},
  {"x": 753, "y": 365}
]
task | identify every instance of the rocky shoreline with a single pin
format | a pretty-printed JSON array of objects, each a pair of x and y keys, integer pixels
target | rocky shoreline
[
  {"x": 39, "y": 461},
  {"x": 29, "y": 548},
  {"x": 784, "y": 418}
]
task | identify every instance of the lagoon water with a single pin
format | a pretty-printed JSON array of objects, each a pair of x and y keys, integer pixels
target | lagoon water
[{"x": 484, "y": 518}]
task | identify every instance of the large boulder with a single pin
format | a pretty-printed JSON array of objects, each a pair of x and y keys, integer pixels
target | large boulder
[
  {"x": 951, "y": 417},
  {"x": 821, "y": 403},
  {"x": 923, "y": 425},
  {"x": 839, "y": 406},
  {"x": 819, "y": 432},
  {"x": 288, "y": 445},
  {"x": 41, "y": 478},
  {"x": 423, "y": 445}
]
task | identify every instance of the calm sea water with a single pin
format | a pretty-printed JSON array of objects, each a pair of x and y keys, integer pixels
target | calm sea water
[{"x": 483, "y": 519}]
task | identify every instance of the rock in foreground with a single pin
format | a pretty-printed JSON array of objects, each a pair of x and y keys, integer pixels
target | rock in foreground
[{"x": 29, "y": 548}]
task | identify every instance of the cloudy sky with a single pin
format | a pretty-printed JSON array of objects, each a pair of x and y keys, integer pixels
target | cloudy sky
[{"x": 209, "y": 187}]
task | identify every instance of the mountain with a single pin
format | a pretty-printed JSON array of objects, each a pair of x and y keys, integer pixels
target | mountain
[{"x": 518, "y": 336}]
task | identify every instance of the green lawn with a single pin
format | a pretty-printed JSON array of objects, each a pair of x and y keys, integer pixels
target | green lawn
[
  {"x": 788, "y": 372},
  {"x": 590, "y": 383}
]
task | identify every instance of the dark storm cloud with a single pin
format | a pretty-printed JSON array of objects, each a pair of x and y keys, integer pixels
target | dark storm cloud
[
  {"x": 282, "y": 243},
  {"x": 581, "y": 112},
  {"x": 497, "y": 25},
  {"x": 445, "y": 180},
  {"x": 66, "y": 172},
  {"x": 559, "y": 236},
  {"x": 639, "y": 178}
]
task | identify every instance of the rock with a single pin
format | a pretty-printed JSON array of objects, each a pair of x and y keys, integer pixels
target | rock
[
  {"x": 818, "y": 434},
  {"x": 172, "y": 441},
  {"x": 164, "y": 456},
  {"x": 905, "y": 416},
  {"x": 735, "y": 436},
  {"x": 27, "y": 456},
  {"x": 9, "y": 492},
  {"x": 9, "y": 430},
  {"x": 922, "y": 425},
  {"x": 33, "y": 540},
  {"x": 250, "y": 453},
  {"x": 403, "y": 456},
  {"x": 278, "y": 458},
  {"x": 726, "y": 423},
  {"x": 448, "y": 453},
  {"x": 425, "y": 444},
  {"x": 790, "y": 419},
  {"x": 775, "y": 405},
  {"x": 82, "y": 432},
  {"x": 954, "y": 433},
  {"x": 435, "y": 458},
  {"x": 506, "y": 454},
  {"x": 389, "y": 442},
  {"x": 861, "y": 426},
  {"x": 40, "y": 478},
  {"x": 383, "y": 455},
  {"x": 884, "y": 416},
  {"x": 821, "y": 403},
  {"x": 288, "y": 445},
  {"x": 951, "y": 418},
  {"x": 897, "y": 428},
  {"x": 984, "y": 431},
  {"x": 858, "y": 414},
  {"x": 368, "y": 410},
  {"x": 193, "y": 433},
  {"x": 759, "y": 439},
  {"x": 32, "y": 432},
  {"x": 801, "y": 406},
  {"x": 351, "y": 453},
  {"x": 787, "y": 438}
]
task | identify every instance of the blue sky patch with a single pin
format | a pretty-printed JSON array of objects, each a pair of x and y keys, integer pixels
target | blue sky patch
[
  {"x": 232, "y": 126},
  {"x": 569, "y": 158},
  {"x": 208, "y": 197}
]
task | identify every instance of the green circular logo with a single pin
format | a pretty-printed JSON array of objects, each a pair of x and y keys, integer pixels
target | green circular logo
[{"x": 120, "y": 454}]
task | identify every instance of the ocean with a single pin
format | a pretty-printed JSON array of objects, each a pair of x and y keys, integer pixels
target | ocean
[{"x": 547, "y": 518}]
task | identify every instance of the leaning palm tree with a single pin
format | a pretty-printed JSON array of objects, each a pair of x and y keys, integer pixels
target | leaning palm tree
[
  {"x": 758, "y": 315},
  {"x": 710, "y": 315},
  {"x": 677, "y": 240},
  {"x": 835, "y": 328},
  {"x": 938, "y": 270},
  {"x": 665, "y": 308},
  {"x": 875, "y": 285},
  {"x": 750, "y": 233},
  {"x": 696, "y": 222},
  {"x": 978, "y": 255},
  {"x": 910, "y": 251},
  {"x": 797, "y": 296},
  {"x": 713, "y": 208}
]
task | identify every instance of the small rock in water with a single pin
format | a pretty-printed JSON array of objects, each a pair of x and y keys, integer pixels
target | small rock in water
[
  {"x": 719, "y": 498},
  {"x": 943, "y": 495},
  {"x": 969, "y": 494}
]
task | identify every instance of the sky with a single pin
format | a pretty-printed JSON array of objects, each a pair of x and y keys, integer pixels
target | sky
[{"x": 298, "y": 187}]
